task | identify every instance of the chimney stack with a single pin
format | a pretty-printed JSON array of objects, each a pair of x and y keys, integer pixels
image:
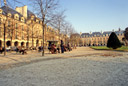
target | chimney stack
[{"x": 22, "y": 10}]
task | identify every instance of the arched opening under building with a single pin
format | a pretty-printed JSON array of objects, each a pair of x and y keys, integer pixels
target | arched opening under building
[
  {"x": 22, "y": 43},
  {"x": 37, "y": 42},
  {"x": 0, "y": 43},
  {"x": 8, "y": 43},
  {"x": 16, "y": 43}
]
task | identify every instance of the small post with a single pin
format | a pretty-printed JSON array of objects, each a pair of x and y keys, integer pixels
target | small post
[
  {"x": 43, "y": 41},
  {"x": 4, "y": 40}
]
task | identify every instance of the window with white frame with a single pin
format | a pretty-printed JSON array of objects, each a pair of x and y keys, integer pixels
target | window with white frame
[
  {"x": 16, "y": 30},
  {"x": 22, "y": 32}
]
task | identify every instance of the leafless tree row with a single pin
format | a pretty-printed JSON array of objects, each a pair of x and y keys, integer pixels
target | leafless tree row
[{"x": 50, "y": 14}]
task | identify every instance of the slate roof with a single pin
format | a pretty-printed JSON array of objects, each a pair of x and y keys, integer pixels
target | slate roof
[
  {"x": 101, "y": 34},
  {"x": 119, "y": 32},
  {"x": 96, "y": 33},
  {"x": 10, "y": 10},
  {"x": 85, "y": 34},
  {"x": 107, "y": 32},
  {"x": 29, "y": 13}
]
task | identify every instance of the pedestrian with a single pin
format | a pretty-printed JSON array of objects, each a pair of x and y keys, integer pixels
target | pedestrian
[
  {"x": 62, "y": 46},
  {"x": 69, "y": 46},
  {"x": 1, "y": 50}
]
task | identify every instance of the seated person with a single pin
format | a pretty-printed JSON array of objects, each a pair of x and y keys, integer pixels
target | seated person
[
  {"x": 53, "y": 49},
  {"x": 1, "y": 50},
  {"x": 8, "y": 48},
  {"x": 21, "y": 50},
  {"x": 58, "y": 49}
]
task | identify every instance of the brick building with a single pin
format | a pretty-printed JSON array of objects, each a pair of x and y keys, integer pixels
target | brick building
[{"x": 24, "y": 28}]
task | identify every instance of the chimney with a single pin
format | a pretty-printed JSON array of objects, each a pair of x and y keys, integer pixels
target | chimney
[
  {"x": 22, "y": 10},
  {"x": 90, "y": 32},
  {"x": 101, "y": 32},
  {"x": 5, "y": 3},
  {"x": 119, "y": 29}
]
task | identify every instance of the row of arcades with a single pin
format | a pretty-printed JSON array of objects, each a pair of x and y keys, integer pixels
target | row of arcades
[{"x": 20, "y": 43}]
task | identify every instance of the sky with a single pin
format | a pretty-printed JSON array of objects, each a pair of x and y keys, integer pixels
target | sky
[{"x": 95, "y": 15}]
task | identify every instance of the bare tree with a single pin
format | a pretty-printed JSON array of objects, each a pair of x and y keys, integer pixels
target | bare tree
[
  {"x": 45, "y": 10},
  {"x": 68, "y": 29},
  {"x": 58, "y": 22},
  {"x": 63, "y": 26}
]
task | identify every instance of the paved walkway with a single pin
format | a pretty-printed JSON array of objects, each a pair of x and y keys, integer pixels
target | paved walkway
[
  {"x": 80, "y": 67},
  {"x": 14, "y": 59}
]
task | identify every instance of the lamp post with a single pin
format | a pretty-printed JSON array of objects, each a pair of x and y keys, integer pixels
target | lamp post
[
  {"x": 43, "y": 39},
  {"x": 32, "y": 35},
  {"x": 4, "y": 40},
  {"x": 27, "y": 38},
  {"x": 4, "y": 27}
]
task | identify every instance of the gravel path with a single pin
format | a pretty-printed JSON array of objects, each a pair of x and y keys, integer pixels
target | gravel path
[{"x": 82, "y": 67}]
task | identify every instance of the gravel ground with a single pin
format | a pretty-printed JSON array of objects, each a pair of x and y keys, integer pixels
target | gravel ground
[{"x": 82, "y": 67}]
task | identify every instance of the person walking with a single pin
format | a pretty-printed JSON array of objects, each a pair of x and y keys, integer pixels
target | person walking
[
  {"x": 69, "y": 46},
  {"x": 62, "y": 46}
]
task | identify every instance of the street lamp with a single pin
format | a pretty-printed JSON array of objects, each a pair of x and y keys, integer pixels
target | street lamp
[
  {"x": 32, "y": 34},
  {"x": 27, "y": 38},
  {"x": 4, "y": 24}
]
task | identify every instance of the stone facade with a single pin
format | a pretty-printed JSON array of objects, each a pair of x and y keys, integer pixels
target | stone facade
[
  {"x": 99, "y": 38},
  {"x": 24, "y": 28}
]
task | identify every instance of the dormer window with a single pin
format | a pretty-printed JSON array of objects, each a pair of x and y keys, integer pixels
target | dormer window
[
  {"x": 22, "y": 19},
  {"x": 9, "y": 15},
  {"x": 32, "y": 17},
  {"x": 16, "y": 16},
  {"x": 37, "y": 20}
]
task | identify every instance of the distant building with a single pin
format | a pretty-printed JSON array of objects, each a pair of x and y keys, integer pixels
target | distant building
[{"x": 99, "y": 38}]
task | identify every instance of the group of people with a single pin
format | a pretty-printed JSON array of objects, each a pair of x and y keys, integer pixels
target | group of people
[
  {"x": 52, "y": 48},
  {"x": 20, "y": 49},
  {"x": 56, "y": 49},
  {"x": 1, "y": 50}
]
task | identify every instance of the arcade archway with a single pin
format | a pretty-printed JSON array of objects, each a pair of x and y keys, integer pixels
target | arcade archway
[
  {"x": 22, "y": 43},
  {"x": 16, "y": 43},
  {"x": 8, "y": 43}
]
